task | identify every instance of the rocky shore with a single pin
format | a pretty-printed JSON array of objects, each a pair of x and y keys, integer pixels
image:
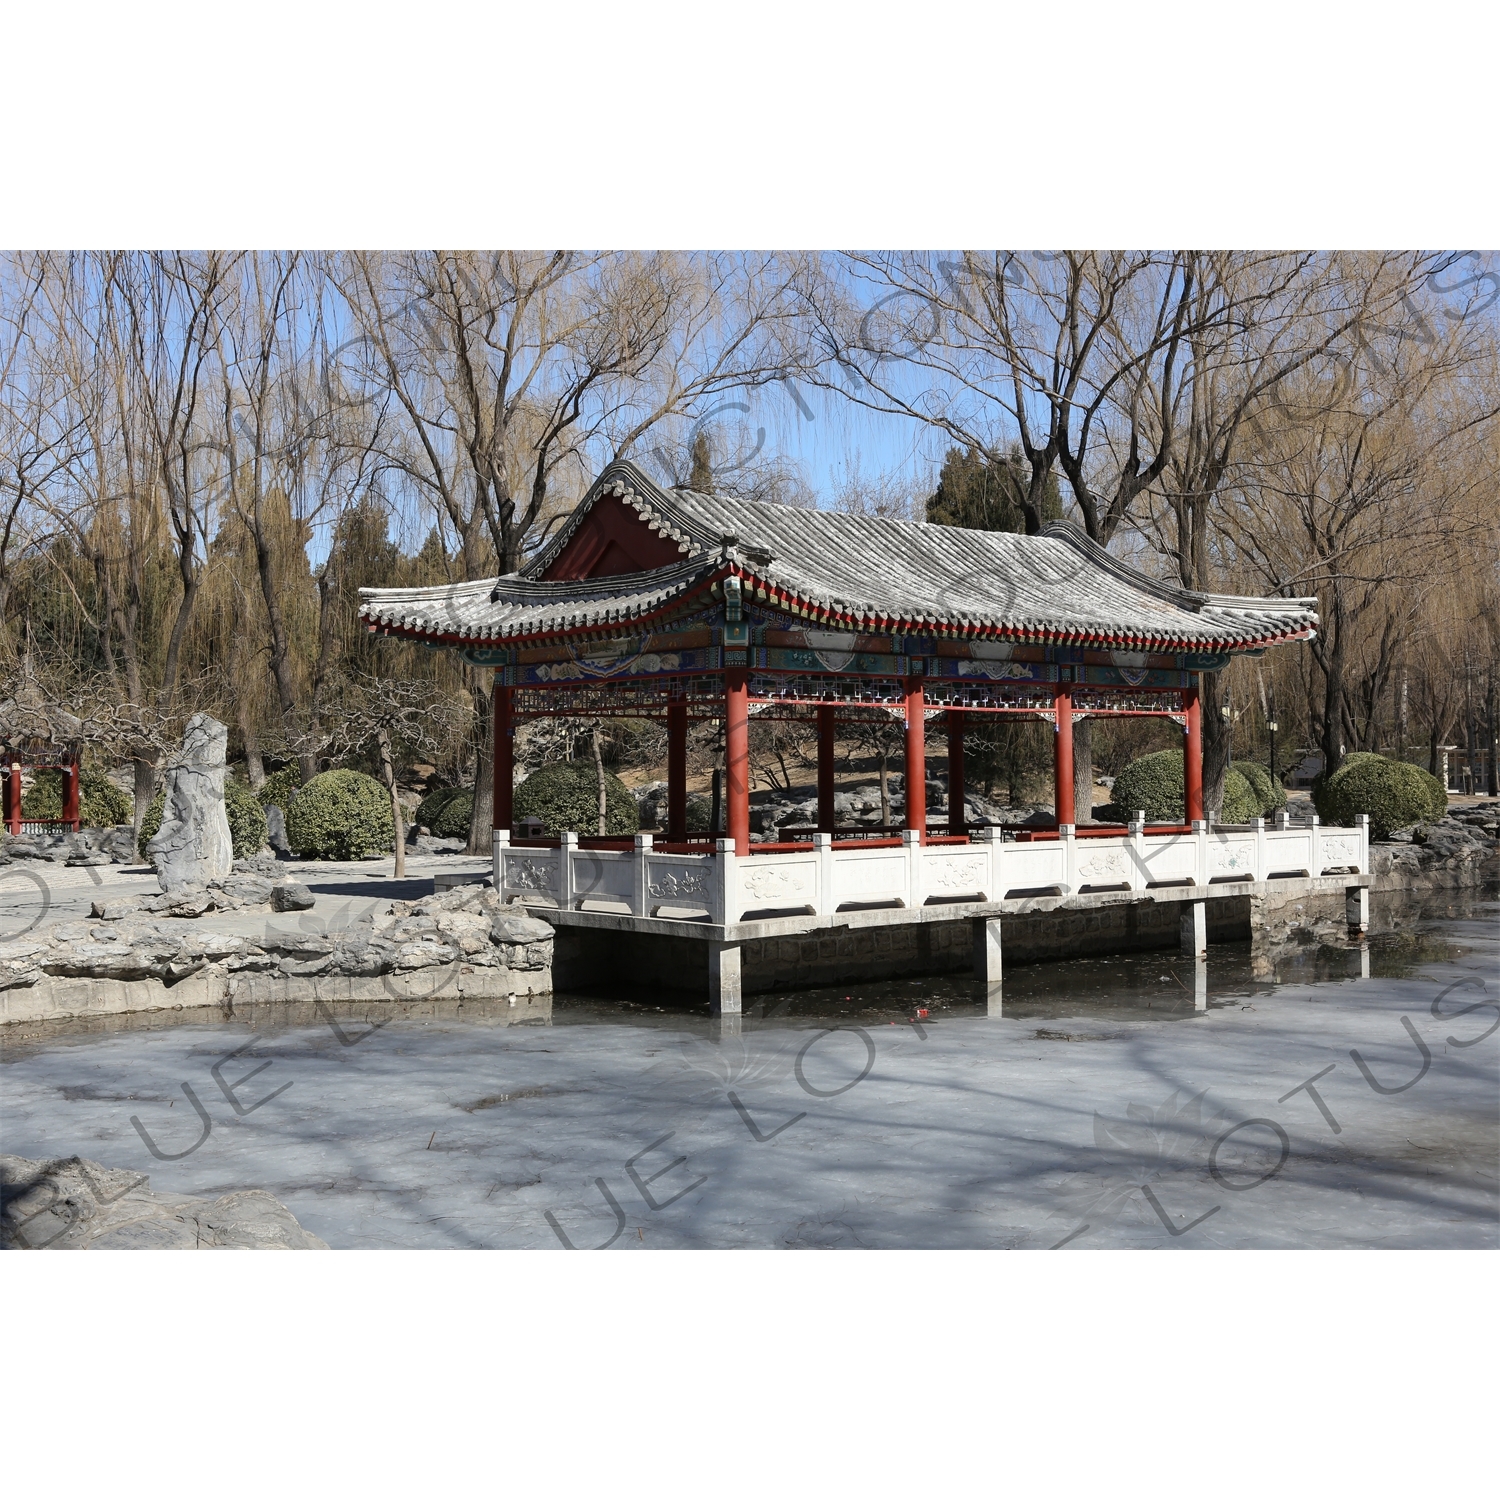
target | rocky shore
[{"x": 74, "y": 1204}]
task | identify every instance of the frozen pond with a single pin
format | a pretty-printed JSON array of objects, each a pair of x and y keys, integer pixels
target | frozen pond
[{"x": 1346, "y": 1099}]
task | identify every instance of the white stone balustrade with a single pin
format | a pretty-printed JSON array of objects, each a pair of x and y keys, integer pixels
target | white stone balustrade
[{"x": 822, "y": 881}]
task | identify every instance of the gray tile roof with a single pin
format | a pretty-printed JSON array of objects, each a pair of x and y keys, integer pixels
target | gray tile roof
[{"x": 858, "y": 572}]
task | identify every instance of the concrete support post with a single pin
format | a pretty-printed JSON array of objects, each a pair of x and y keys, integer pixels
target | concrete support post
[
  {"x": 1200, "y": 984},
  {"x": 827, "y": 734},
  {"x": 957, "y": 822},
  {"x": 1192, "y": 758},
  {"x": 504, "y": 758},
  {"x": 1195, "y": 929},
  {"x": 677, "y": 725},
  {"x": 501, "y": 837},
  {"x": 1062, "y": 756},
  {"x": 567, "y": 848},
  {"x": 737, "y": 757},
  {"x": 987, "y": 967},
  {"x": 916, "y": 757},
  {"x": 725, "y": 990},
  {"x": 1357, "y": 910}
]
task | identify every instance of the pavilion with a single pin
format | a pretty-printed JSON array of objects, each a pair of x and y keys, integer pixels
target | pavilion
[{"x": 681, "y": 606}]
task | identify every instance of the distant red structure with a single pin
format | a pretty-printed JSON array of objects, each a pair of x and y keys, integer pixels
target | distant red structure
[{"x": 38, "y": 755}]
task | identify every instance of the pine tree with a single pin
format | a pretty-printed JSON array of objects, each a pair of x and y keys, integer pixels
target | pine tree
[
  {"x": 702, "y": 477},
  {"x": 979, "y": 495}
]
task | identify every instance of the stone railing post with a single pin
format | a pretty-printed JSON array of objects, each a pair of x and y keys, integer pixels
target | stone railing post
[
  {"x": 1200, "y": 839},
  {"x": 497, "y": 875},
  {"x": 1065, "y": 837},
  {"x": 725, "y": 884},
  {"x": 1315, "y": 849},
  {"x": 993, "y": 845},
  {"x": 823, "y": 849},
  {"x": 1363, "y": 819},
  {"x": 1260, "y": 849},
  {"x": 641, "y": 883},
  {"x": 1136, "y": 833},
  {"x": 911, "y": 840},
  {"x": 567, "y": 847}
]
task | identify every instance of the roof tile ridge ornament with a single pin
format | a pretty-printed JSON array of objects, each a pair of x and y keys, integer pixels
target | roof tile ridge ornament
[{"x": 1189, "y": 599}]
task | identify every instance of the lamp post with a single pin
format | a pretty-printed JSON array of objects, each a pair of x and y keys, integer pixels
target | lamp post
[{"x": 1271, "y": 730}]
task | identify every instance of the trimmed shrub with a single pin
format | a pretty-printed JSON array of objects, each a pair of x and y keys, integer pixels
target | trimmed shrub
[
  {"x": 281, "y": 787},
  {"x": 1393, "y": 793},
  {"x": 247, "y": 819},
  {"x": 1319, "y": 789},
  {"x": 446, "y": 812},
  {"x": 1270, "y": 795},
  {"x": 1155, "y": 783},
  {"x": 101, "y": 804},
  {"x": 565, "y": 796},
  {"x": 1436, "y": 791},
  {"x": 340, "y": 815}
]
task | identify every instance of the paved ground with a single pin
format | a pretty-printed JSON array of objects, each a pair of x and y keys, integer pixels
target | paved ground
[
  {"x": 1090, "y": 1115},
  {"x": 34, "y": 893}
]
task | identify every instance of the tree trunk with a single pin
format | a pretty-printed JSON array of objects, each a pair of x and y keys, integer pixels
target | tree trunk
[
  {"x": 388, "y": 775},
  {"x": 1083, "y": 770},
  {"x": 1216, "y": 735},
  {"x": 600, "y": 783},
  {"x": 482, "y": 817},
  {"x": 885, "y": 790},
  {"x": 145, "y": 790}
]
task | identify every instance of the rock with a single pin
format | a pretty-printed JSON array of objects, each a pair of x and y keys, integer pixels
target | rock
[
  {"x": 76, "y": 1204},
  {"x": 276, "y": 832},
  {"x": 428, "y": 845},
  {"x": 89, "y": 857},
  {"x": 116, "y": 911},
  {"x": 291, "y": 895},
  {"x": 193, "y": 845},
  {"x": 511, "y": 927},
  {"x": 248, "y": 890}
]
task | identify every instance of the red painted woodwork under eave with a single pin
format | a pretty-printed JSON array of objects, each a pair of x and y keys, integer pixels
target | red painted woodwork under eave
[{"x": 611, "y": 539}]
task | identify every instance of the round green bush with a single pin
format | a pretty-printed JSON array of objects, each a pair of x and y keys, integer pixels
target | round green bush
[
  {"x": 1393, "y": 793},
  {"x": 101, "y": 804},
  {"x": 446, "y": 811},
  {"x": 340, "y": 815},
  {"x": 1155, "y": 783},
  {"x": 565, "y": 796},
  {"x": 1270, "y": 795},
  {"x": 1437, "y": 793},
  {"x": 247, "y": 819},
  {"x": 280, "y": 787}
]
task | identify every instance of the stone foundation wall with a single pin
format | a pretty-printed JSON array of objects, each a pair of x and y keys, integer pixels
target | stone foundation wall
[
  {"x": 54, "y": 999},
  {"x": 586, "y": 959}
]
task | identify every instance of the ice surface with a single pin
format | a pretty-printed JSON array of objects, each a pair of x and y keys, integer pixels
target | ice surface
[{"x": 1090, "y": 1125}]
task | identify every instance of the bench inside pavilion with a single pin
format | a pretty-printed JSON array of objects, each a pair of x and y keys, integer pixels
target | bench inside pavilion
[{"x": 686, "y": 607}]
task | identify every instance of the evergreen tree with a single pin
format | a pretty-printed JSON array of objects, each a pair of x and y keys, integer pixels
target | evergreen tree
[
  {"x": 979, "y": 495},
  {"x": 702, "y": 477}
]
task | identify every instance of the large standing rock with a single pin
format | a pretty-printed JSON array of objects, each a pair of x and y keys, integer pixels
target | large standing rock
[{"x": 193, "y": 845}]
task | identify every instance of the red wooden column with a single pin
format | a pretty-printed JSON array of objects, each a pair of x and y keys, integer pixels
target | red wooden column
[
  {"x": 505, "y": 754},
  {"x": 677, "y": 772},
  {"x": 827, "y": 732},
  {"x": 1062, "y": 756},
  {"x": 956, "y": 820},
  {"x": 1192, "y": 760},
  {"x": 70, "y": 795},
  {"x": 13, "y": 799},
  {"x": 916, "y": 756},
  {"x": 737, "y": 756}
]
